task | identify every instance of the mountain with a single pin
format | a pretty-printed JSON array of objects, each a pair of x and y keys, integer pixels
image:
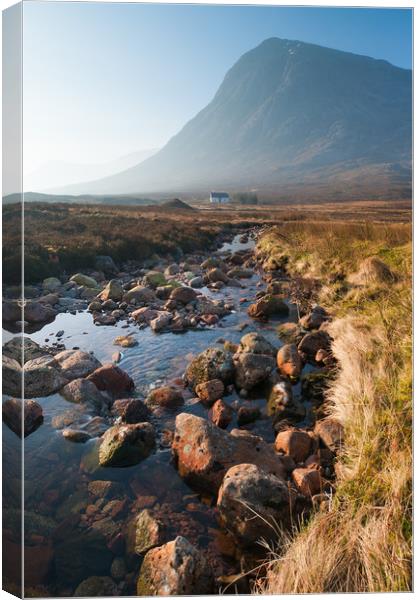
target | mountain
[
  {"x": 289, "y": 116},
  {"x": 56, "y": 175}
]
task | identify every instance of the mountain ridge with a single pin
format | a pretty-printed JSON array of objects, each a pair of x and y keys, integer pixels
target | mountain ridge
[{"x": 286, "y": 110}]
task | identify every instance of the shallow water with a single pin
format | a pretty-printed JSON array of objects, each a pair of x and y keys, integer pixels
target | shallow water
[{"x": 57, "y": 471}]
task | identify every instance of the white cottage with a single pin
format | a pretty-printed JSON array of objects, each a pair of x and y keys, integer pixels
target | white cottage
[{"x": 219, "y": 198}]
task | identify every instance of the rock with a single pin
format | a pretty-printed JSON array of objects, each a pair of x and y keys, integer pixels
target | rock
[
  {"x": 43, "y": 377},
  {"x": 221, "y": 414},
  {"x": 308, "y": 481},
  {"x": 196, "y": 282},
  {"x": 289, "y": 361},
  {"x": 204, "y": 452},
  {"x": 149, "y": 532},
  {"x": 105, "y": 264},
  {"x": 105, "y": 489},
  {"x": 371, "y": 271},
  {"x": 109, "y": 305},
  {"x": 144, "y": 314},
  {"x": 106, "y": 320},
  {"x": 210, "y": 319},
  {"x": 183, "y": 295},
  {"x": 252, "y": 503},
  {"x": 331, "y": 433},
  {"x": 11, "y": 376},
  {"x": 95, "y": 306},
  {"x": 96, "y": 586},
  {"x": 11, "y": 312},
  {"x": 247, "y": 414},
  {"x": 51, "y": 284},
  {"x": 165, "y": 396},
  {"x": 81, "y": 279},
  {"x": 282, "y": 405},
  {"x": 176, "y": 568},
  {"x": 88, "y": 293},
  {"x": 130, "y": 410},
  {"x": 139, "y": 294},
  {"x": 76, "y": 435},
  {"x": 51, "y": 299},
  {"x": 18, "y": 346},
  {"x": 215, "y": 275},
  {"x": 172, "y": 269},
  {"x": 213, "y": 363},
  {"x": 239, "y": 273},
  {"x": 83, "y": 391},
  {"x": 113, "y": 291},
  {"x": 294, "y": 443},
  {"x": 268, "y": 306},
  {"x": 213, "y": 263},
  {"x": 255, "y": 343},
  {"x": 161, "y": 321},
  {"x": 314, "y": 386},
  {"x": 118, "y": 568},
  {"x": 125, "y": 341},
  {"x": 37, "y": 312},
  {"x": 210, "y": 391},
  {"x": 125, "y": 445},
  {"x": 112, "y": 379},
  {"x": 252, "y": 369},
  {"x": 154, "y": 279},
  {"x": 75, "y": 363},
  {"x": 32, "y": 416},
  {"x": 313, "y": 342},
  {"x": 163, "y": 292},
  {"x": 314, "y": 319},
  {"x": 204, "y": 306}
]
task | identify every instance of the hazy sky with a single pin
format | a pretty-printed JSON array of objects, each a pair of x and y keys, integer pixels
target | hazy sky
[{"x": 104, "y": 80}]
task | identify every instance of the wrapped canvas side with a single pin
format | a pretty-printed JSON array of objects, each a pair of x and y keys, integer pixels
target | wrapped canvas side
[{"x": 12, "y": 347}]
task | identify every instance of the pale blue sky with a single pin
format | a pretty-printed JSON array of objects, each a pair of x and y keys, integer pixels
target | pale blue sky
[{"x": 104, "y": 80}]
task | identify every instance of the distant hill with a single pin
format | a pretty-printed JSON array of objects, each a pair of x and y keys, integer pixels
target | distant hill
[
  {"x": 176, "y": 204},
  {"x": 289, "y": 116},
  {"x": 115, "y": 199}
]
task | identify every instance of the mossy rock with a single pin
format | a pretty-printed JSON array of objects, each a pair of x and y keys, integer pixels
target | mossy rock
[
  {"x": 314, "y": 386},
  {"x": 213, "y": 363},
  {"x": 155, "y": 279}
]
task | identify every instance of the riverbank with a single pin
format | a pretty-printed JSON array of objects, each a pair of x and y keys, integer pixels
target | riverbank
[{"x": 362, "y": 542}]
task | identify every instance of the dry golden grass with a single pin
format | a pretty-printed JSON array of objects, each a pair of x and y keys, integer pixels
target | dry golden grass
[{"x": 362, "y": 542}]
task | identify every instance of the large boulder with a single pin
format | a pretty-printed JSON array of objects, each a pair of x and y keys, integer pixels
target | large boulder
[
  {"x": 252, "y": 503},
  {"x": 255, "y": 343},
  {"x": 130, "y": 410},
  {"x": 268, "y": 306},
  {"x": 213, "y": 363},
  {"x": 32, "y": 416},
  {"x": 76, "y": 363},
  {"x": 183, "y": 295},
  {"x": 331, "y": 433},
  {"x": 313, "y": 342},
  {"x": 289, "y": 361},
  {"x": 85, "y": 280},
  {"x": 125, "y": 445},
  {"x": 174, "y": 569},
  {"x": 204, "y": 452},
  {"x": 111, "y": 378},
  {"x": 113, "y": 291},
  {"x": 139, "y": 294},
  {"x": 294, "y": 443},
  {"x": 43, "y": 377},
  {"x": 252, "y": 369},
  {"x": 165, "y": 396},
  {"x": 22, "y": 349},
  {"x": 83, "y": 391},
  {"x": 37, "y": 312}
]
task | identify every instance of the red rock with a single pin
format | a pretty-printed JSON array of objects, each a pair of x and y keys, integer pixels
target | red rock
[
  {"x": 130, "y": 410},
  {"x": 289, "y": 361},
  {"x": 330, "y": 431},
  {"x": 221, "y": 414},
  {"x": 205, "y": 452},
  {"x": 308, "y": 481},
  {"x": 210, "y": 391},
  {"x": 176, "y": 568},
  {"x": 165, "y": 396},
  {"x": 296, "y": 444},
  {"x": 112, "y": 379}
]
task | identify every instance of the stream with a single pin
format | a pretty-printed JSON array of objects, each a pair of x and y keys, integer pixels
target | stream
[{"x": 57, "y": 472}]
